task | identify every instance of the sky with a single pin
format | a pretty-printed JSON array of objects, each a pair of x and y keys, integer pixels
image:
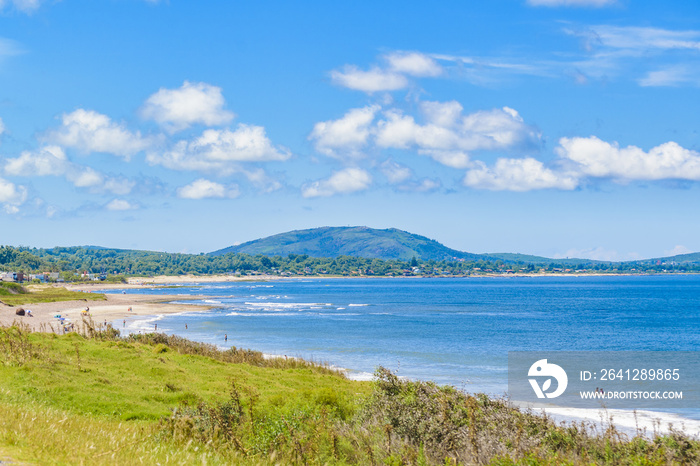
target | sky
[{"x": 561, "y": 128}]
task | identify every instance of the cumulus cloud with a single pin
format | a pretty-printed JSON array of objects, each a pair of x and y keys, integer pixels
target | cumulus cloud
[
  {"x": 347, "y": 135},
  {"x": 192, "y": 103},
  {"x": 203, "y": 189},
  {"x": 447, "y": 133},
  {"x": 49, "y": 160},
  {"x": 413, "y": 63},
  {"x": 580, "y": 3},
  {"x": 344, "y": 181},
  {"x": 454, "y": 159},
  {"x": 89, "y": 131},
  {"x": 221, "y": 150},
  {"x": 52, "y": 161},
  {"x": 12, "y": 196},
  {"x": 395, "y": 172},
  {"x": 118, "y": 205},
  {"x": 373, "y": 80},
  {"x": 517, "y": 175},
  {"x": 596, "y": 158},
  {"x": 391, "y": 76}
]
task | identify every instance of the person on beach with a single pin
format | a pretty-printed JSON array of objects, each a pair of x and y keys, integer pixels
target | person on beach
[
  {"x": 185, "y": 326},
  {"x": 124, "y": 322},
  {"x": 156, "y": 328},
  {"x": 225, "y": 337}
]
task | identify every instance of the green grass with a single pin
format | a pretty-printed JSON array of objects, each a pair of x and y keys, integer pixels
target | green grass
[
  {"x": 17, "y": 295},
  {"x": 97, "y": 398},
  {"x": 124, "y": 388},
  {"x": 10, "y": 289}
]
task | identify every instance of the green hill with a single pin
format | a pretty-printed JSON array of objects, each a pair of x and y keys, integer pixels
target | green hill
[
  {"x": 693, "y": 257},
  {"x": 351, "y": 241}
]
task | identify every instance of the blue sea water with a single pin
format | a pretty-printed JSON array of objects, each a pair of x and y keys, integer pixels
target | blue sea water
[{"x": 455, "y": 331}]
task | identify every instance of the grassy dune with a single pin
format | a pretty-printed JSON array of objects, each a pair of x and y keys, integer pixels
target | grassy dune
[
  {"x": 96, "y": 398},
  {"x": 14, "y": 294}
]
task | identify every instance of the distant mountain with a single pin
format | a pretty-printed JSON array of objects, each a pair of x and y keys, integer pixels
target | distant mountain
[
  {"x": 692, "y": 257},
  {"x": 529, "y": 259},
  {"x": 351, "y": 241}
]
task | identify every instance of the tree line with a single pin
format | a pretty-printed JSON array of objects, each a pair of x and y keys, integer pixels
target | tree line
[{"x": 70, "y": 261}]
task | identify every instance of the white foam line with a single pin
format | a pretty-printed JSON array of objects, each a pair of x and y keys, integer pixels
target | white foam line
[{"x": 631, "y": 422}]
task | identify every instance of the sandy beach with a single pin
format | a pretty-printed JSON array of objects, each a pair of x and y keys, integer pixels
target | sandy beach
[{"x": 115, "y": 307}]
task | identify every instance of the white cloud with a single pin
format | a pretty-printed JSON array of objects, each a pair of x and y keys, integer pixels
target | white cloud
[
  {"x": 373, "y": 80},
  {"x": 202, "y": 189},
  {"x": 677, "y": 250},
  {"x": 395, "y": 172},
  {"x": 454, "y": 159},
  {"x": 118, "y": 205},
  {"x": 85, "y": 177},
  {"x": 344, "y": 181},
  {"x": 598, "y": 254},
  {"x": 446, "y": 134},
  {"x": 414, "y": 64},
  {"x": 192, "y": 103},
  {"x": 582, "y": 3},
  {"x": 49, "y": 160},
  {"x": 642, "y": 38},
  {"x": 261, "y": 180},
  {"x": 597, "y": 158},
  {"x": 89, "y": 131},
  {"x": 448, "y": 130},
  {"x": 392, "y": 76},
  {"x": 517, "y": 175},
  {"x": 25, "y": 6},
  {"x": 9, "y": 47},
  {"x": 52, "y": 161},
  {"x": 119, "y": 186},
  {"x": 221, "y": 150},
  {"x": 347, "y": 134},
  {"x": 442, "y": 113},
  {"x": 674, "y": 76},
  {"x": 613, "y": 51},
  {"x": 12, "y": 196},
  {"x": 422, "y": 186}
]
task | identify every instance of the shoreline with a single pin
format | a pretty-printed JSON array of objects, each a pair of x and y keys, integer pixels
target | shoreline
[
  {"x": 115, "y": 307},
  {"x": 152, "y": 307}
]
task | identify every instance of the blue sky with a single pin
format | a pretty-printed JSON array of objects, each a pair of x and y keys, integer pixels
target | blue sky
[{"x": 553, "y": 127}]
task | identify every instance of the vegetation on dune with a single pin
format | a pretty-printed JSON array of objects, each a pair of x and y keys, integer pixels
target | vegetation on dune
[
  {"x": 94, "y": 397},
  {"x": 14, "y": 294},
  {"x": 11, "y": 289}
]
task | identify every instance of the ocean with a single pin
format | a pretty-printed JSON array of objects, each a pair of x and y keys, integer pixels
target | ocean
[{"x": 455, "y": 331}]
